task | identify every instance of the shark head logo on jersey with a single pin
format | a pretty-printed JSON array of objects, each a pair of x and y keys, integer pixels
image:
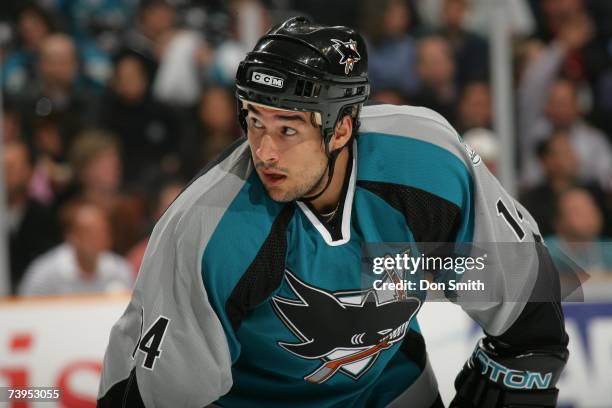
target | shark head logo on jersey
[
  {"x": 348, "y": 53},
  {"x": 349, "y": 331}
]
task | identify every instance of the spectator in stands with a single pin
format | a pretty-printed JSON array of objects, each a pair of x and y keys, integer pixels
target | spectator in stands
[
  {"x": 31, "y": 226},
  {"x": 559, "y": 163},
  {"x": 39, "y": 21},
  {"x": 51, "y": 171},
  {"x": 592, "y": 62},
  {"x": 590, "y": 144},
  {"x": 478, "y": 17},
  {"x": 575, "y": 53},
  {"x": 386, "y": 26},
  {"x": 470, "y": 50},
  {"x": 56, "y": 92},
  {"x": 83, "y": 263},
  {"x": 97, "y": 166},
  {"x": 11, "y": 122},
  {"x": 34, "y": 26},
  {"x": 216, "y": 129},
  {"x": 249, "y": 21},
  {"x": 475, "y": 109},
  {"x": 564, "y": 22},
  {"x": 183, "y": 58},
  {"x": 435, "y": 68},
  {"x": 165, "y": 194},
  {"x": 147, "y": 129},
  {"x": 553, "y": 15},
  {"x": 174, "y": 57},
  {"x": 155, "y": 19},
  {"x": 578, "y": 233},
  {"x": 209, "y": 17},
  {"x": 98, "y": 23}
]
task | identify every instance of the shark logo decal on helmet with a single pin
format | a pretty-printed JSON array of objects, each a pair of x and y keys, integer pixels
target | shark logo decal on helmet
[{"x": 348, "y": 53}]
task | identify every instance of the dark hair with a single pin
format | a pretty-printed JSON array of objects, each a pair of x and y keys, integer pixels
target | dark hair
[
  {"x": 147, "y": 4},
  {"x": 372, "y": 15},
  {"x": 543, "y": 147},
  {"x": 40, "y": 12},
  {"x": 556, "y": 207}
]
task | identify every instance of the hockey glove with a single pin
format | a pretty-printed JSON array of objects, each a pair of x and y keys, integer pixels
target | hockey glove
[{"x": 492, "y": 378}]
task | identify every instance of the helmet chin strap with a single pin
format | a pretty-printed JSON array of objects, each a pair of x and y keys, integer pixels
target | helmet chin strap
[{"x": 331, "y": 165}]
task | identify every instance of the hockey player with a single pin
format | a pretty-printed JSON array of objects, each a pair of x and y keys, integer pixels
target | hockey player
[{"x": 250, "y": 292}]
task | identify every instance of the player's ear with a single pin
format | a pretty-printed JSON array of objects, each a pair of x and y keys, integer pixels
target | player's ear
[{"x": 344, "y": 130}]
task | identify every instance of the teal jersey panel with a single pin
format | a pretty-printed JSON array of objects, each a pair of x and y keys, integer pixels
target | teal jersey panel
[
  {"x": 322, "y": 289},
  {"x": 415, "y": 163},
  {"x": 233, "y": 246}
]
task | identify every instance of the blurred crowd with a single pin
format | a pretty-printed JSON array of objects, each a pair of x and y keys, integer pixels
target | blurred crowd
[{"x": 111, "y": 106}]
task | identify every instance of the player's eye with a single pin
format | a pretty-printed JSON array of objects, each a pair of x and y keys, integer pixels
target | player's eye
[
  {"x": 256, "y": 123},
  {"x": 287, "y": 131}
]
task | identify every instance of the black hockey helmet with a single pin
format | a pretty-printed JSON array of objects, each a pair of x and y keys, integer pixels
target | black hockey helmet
[{"x": 302, "y": 66}]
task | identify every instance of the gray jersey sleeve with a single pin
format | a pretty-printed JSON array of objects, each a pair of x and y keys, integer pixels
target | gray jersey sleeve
[
  {"x": 518, "y": 271},
  {"x": 494, "y": 222},
  {"x": 520, "y": 306},
  {"x": 509, "y": 236},
  {"x": 491, "y": 219},
  {"x": 169, "y": 348}
]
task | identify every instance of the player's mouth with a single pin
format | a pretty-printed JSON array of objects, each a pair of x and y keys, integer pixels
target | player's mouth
[{"x": 272, "y": 178}]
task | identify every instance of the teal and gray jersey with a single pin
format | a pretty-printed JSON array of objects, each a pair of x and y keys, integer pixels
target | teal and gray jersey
[{"x": 242, "y": 301}]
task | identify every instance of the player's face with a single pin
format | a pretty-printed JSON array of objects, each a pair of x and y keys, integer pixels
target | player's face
[{"x": 288, "y": 152}]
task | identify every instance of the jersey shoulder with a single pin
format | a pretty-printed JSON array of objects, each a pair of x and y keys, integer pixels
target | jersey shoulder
[
  {"x": 398, "y": 114},
  {"x": 224, "y": 216},
  {"x": 206, "y": 198},
  {"x": 414, "y": 147}
]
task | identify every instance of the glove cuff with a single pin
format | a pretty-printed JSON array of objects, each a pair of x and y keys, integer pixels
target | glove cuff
[{"x": 530, "y": 370}]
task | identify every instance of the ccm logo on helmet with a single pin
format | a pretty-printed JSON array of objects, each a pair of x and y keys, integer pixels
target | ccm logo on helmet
[{"x": 266, "y": 79}]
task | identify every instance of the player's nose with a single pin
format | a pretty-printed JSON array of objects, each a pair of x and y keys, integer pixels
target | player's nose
[{"x": 267, "y": 150}]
